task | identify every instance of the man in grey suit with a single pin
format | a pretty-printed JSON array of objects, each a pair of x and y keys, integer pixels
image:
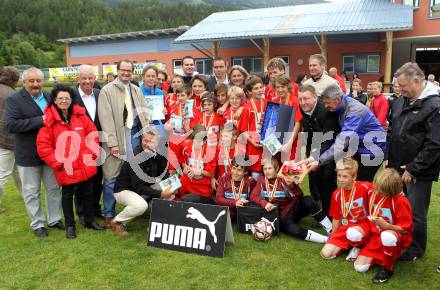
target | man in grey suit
[{"x": 24, "y": 117}]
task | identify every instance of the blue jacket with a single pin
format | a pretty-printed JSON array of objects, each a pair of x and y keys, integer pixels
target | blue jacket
[
  {"x": 355, "y": 118},
  {"x": 150, "y": 92}
]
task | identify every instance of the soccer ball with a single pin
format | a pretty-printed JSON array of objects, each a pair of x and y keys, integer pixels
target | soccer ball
[{"x": 262, "y": 230}]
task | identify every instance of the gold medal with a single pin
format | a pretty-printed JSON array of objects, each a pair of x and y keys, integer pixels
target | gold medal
[
  {"x": 344, "y": 221},
  {"x": 345, "y": 209}
]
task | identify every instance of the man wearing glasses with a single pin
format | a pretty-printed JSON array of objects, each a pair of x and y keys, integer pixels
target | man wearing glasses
[{"x": 121, "y": 112}]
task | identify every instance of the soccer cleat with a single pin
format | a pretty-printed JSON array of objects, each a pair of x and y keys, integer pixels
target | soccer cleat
[
  {"x": 407, "y": 257},
  {"x": 438, "y": 269},
  {"x": 383, "y": 275}
]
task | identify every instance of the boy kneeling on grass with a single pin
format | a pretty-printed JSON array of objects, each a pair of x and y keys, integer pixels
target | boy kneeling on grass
[
  {"x": 391, "y": 225},
  {"x": 281, "y": 191},
  {"x": 348, "y": 209}
]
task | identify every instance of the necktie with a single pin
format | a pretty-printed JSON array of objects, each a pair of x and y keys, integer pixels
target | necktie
[{"x": 127, "y": 102}]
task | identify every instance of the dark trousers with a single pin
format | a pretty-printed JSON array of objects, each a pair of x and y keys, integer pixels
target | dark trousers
[
  {"x": 365, "y": 172},
  {"x": 419, "y": 196},
  {"x": 97, "y": 191},
  {"x": 190, "y": 197},
  {"x": 300, "y": 210},
  {"x": 85, "y": 190},
  {"x": 322, "y": 183}
]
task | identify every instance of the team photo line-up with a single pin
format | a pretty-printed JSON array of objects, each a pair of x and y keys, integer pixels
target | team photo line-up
[{"x": 119, "y": 142}]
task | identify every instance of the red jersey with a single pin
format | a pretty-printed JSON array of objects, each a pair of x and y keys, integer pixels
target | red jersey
[
  {"x": 204, "y": 159},
  {"x": 230, "y": 117},
  {"x": 197, "y": 102},
  {"x": 170, "y": 100},
  {"x": 251, "y": 120},
  {"x": 281, "y": 194},
  {"x": 379, "y": 105},
  {"x": 224, "y": 160},
  {"x": 212, "y": 123},
  {"x": 270, "y": 92},
  {"x": 355, "y": 206}
]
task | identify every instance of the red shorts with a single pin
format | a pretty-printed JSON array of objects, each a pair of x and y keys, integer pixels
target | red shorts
[
  {"x": 339, "y": 237},
  {"x": 373, "y": 248}
]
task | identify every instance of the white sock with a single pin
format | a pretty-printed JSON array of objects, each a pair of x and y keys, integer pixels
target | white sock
[
  {"x": 327, "y": 224},
  {"x": 315, "y": 237},
  {"x": 353, "y": 254}
]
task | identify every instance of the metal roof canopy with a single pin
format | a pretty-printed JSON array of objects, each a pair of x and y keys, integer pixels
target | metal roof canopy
[
  {"x": 127, "y": 35},
  {"x": 313, "y": 19}
]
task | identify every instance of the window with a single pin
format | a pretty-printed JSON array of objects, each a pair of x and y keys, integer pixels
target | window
[
  {"x": 203, "y": 66},
  {"x": 177, "y": 66},
  {"x": 413, "y": 3},
  {"x": 253, "y": 65},
  {"x": 361, "y": 63},
  {"x": 434, "y": 10}
]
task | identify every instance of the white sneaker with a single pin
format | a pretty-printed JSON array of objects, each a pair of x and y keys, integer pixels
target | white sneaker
[{"x": 353, "y": 254}]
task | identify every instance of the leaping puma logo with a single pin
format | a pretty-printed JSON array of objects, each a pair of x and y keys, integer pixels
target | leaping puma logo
[
  {"x": 197, "y": 215},
  {"x": 268, "y": 221}
]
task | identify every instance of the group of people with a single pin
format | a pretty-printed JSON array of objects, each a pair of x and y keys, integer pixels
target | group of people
[{"x": 89, "y": 141}]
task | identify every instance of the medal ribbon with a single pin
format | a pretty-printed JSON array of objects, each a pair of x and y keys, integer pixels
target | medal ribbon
[
  {"x": 254, "y": 107},
  {"x": 211, "y": 119},
  {"x": 237, "y": 196},
  {"x": 346, "y": 210},
  {"x": 378, "y": 207},
  {"x": 271, "y": 193}
]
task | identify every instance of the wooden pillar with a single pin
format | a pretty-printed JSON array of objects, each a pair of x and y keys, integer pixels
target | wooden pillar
[
  {"x": 388, "y": 61},
  {"x": 324, "y": 46},
  {"x": 215, "y": 48},
  {"x": 265, "y": 52}
]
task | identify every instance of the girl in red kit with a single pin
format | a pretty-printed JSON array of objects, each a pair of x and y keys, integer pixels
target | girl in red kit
[
  {"x": 171, "y": 98},
  {"x": 250, "y": 123},
  {"x": 391, "y": 225},
  {"x": 226, "y": 150},
  {"x": 199, "y": 163},
  {"x": 235, "y": 187},
  {"x": 233, "y": 112},
  {"x": 198, "y": 86},
  {"x": 285, "y": 96},
  {"x": 209, "y": 119},
  {"x": 350, "y": 226},
  {"x": 273, "y": 191}
]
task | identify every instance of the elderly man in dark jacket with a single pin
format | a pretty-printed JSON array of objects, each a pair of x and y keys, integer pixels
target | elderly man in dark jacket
[
  {"x": 9, "y": 77},
  {"x": 322, "y": 128},
  {"x": 24, "y": 117},
  {"x": 414, "y": 147}
]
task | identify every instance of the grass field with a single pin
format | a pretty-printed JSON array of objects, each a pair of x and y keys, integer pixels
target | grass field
[{"x": 104, "y": 261}]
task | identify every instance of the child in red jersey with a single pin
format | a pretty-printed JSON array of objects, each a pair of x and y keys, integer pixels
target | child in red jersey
[
  {"x": 281, "y": 191},
  {"x": 171, "y": 98},
  {"x": 284, "y": 95},
  {"x": 178, "y": 121},
  {"x": 391, "y": 225},
  {"x": 209, "y": 118},
  {"x": 250, "y": 123},
  {"x": 199, "y": 85},
  {"x": 199, "y": 163},
  {"x": 277, "y": 67},
  {"x": 221, "y": 93},
  {"x": 233, "y": 112},
  {"x": 348, "y": 209},
  {"x": 379, "y": 104},
  {"x": 226, "y": 150},
  {"x": 235, "y": 187}
]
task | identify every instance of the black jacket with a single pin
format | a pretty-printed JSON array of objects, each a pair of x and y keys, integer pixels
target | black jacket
[
  {"x": 323, "y": 121},
  {"x": 79, "y": 101},
  {"x": 153, "y": 167},
  {"x": 414, "y": 139},
  {"x": 361, "y": 97},
  {"x": 24, "y": 118}
]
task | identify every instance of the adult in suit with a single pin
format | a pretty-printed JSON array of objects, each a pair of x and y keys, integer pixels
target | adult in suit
[
  {"x": 122, "y": 114},
  {"x": 220, "y": 76},
  {"x": 24, "y": 117},
  {"x": 87, "y": 97}
]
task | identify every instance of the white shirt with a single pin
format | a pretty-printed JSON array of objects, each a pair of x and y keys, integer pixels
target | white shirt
[
  {"x": 225, "y": 81},
  {"x": 89, "y": 101}
]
